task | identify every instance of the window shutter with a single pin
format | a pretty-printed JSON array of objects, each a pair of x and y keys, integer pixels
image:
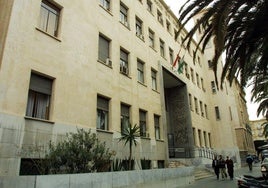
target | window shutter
[
  {"x": 103, "y": 104},
  {"x": 123, "y": 56},
  {"x": 41, "y": 84},
  {"x": 124, "y": 110},
  {"x": 103, "y": 48}
]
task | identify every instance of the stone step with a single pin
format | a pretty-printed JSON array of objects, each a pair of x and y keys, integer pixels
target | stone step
[{"x": 202, "y": 173}]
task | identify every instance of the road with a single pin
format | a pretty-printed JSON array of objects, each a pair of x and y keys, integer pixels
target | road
[{"x": 212, "y": 182}]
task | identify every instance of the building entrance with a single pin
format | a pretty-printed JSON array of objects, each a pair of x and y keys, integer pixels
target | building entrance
[{"x": 178, "y": 117}]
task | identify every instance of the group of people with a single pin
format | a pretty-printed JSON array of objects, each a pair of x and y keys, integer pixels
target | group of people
[{"x": 219, "y": 165}]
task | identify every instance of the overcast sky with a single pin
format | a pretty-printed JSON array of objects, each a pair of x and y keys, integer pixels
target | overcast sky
[{"x": 252, "y": 108}]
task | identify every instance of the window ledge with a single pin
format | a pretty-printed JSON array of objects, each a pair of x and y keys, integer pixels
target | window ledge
[
  {"x": 37, "y": 119},
  {"x": 159, "y": 140},
  {"x": 153, "y": 48},
  {"x": 100, "y": 61},
  {"x": 126, "y": 26},
  {"x": 143, "y": 84},
  {"x": 126, "y": 75},
  {"x": 104, "y": 131},
  {"x": 40, "y": 30},
  {"x": 107, "y": 10},
  {"x": 156, "y": 91}
]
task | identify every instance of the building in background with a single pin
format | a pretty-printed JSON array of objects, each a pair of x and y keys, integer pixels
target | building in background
[
  {"x": 257, "y": 133},
  {"x": 97, "y": 65}
]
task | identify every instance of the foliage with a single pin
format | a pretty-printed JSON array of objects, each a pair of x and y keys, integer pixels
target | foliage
[
  {"x": 129, "y": 135},
  {"x": 239, "y": 28},
  {"x": 117, "y": 165},
  {"x": 81, "y": 152},
  {"x": 265, "y": 129}
]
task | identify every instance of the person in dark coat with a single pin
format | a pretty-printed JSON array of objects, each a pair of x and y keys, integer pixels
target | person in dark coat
[
  {"x": 249, "y": 160},
  {"x": 222, "y": 167},
  {"x": 230, "y": 167},
  {"x": 215, "y": 166}
]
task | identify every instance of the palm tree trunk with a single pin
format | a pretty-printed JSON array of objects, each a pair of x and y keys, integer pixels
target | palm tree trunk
[{"x": 130, "y": 156}]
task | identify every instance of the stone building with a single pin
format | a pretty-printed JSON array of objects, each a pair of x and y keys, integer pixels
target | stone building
[
  {"x": 257, "y": 133},
  {"x": 100, "y": 64}
]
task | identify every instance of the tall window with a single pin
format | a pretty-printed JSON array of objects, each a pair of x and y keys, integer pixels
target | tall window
[
  {"x": 104, "y": 48},
  {"x": 154, "y": 80},
  {"x": 186, "y": 70},
  {"x": 206, "y": 111},
  {"x": 202, "y": 84},
  {"x": 197, "y": 80},
  {"x": 125, "y": 117},
  {"x": 102, "y": 113},
  {"x": 123, "y": 62},
  {"x": 49, "y": 18},
  {"x": 160, "y": 17},
  {"x": 230, "y": 111},
  {"x": 105, "y": 4},
  {"x": 196, "y": 105},
  {"x": 168, "y": 26},
  {"x": 213, "y": 87},
  {"x": 205, "y": 138},
  {"x": 140, "y": 67},
  {"x": 139, "y": 31},
  {"x": 209, "y": 140},
  {"x": 123, "y": 15},
  {"x": 194, "y": 136},
  {"x": 151, "y": 38},
  {"x": 192, "y": 75},
  {"x": 39, "y": 95},
  {"x": 171, "y": 56},
  {"x": 190, "y": 101},
  {"x": 162, "y": 48},
  {"x": 142, "y": 115},
  {"x": 201, "y": 108},
  {"x": 199, "y": 138},
  {"x": 149, "y": 6},
  {"x": 157, "y": 126},
  {"x": 217, "y": 113}
]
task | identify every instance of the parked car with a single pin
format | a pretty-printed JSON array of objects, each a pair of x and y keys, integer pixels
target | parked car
[{"x": 264, "y": 168}]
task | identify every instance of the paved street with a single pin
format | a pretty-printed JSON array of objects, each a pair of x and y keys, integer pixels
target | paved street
[{"x": 212, "y": 182}]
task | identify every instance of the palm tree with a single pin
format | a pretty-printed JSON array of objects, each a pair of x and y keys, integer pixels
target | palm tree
[
  {"x": 238, "y": 27},
  {"x": 129, "y": 135}
]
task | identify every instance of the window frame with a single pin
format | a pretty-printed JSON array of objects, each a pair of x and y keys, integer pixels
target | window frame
[
  {"x": 141, "y": 71},
  {"x": 104, "y": 55},
  {"x": 151, "y": 37},
  {"x": 217, "y": 113},
  {"x": 157, "y": 127},
  {"x": 124, "y": 64},
  {"x": 154, "y": 79},
  {"x": 106, "y": 4},
  {"x": 143, "y": 123},
  {"x": 124, "y": 116},
  {"x": 105, "y": 110},
  {"x": 45, "y": 19},
  {"x": 123, "y": 15},
  {"x": 162, "y": 48},
  {"x": 39, "y": 97}
]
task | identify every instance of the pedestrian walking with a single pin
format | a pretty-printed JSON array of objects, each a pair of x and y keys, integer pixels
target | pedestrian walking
[
  {"x": 249, "y": 160},
  {"x": 222, "y": 167},
  {"x": 215, "y": 166},
  {"x": 230, "y": 167}
]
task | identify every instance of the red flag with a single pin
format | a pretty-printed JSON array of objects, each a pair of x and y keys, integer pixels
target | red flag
[{"x": 176, "y": 60}]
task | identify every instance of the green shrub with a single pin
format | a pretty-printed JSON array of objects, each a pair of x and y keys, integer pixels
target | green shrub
[{"x": 81, "y": 152}]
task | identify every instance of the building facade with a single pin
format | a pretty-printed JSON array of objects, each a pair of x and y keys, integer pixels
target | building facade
[
  {"x": 257, "y": 133},
  {"x": 98, "y": 65}
]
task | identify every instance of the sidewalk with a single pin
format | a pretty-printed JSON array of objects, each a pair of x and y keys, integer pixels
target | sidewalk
[{"x": 212, "y": 182}]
